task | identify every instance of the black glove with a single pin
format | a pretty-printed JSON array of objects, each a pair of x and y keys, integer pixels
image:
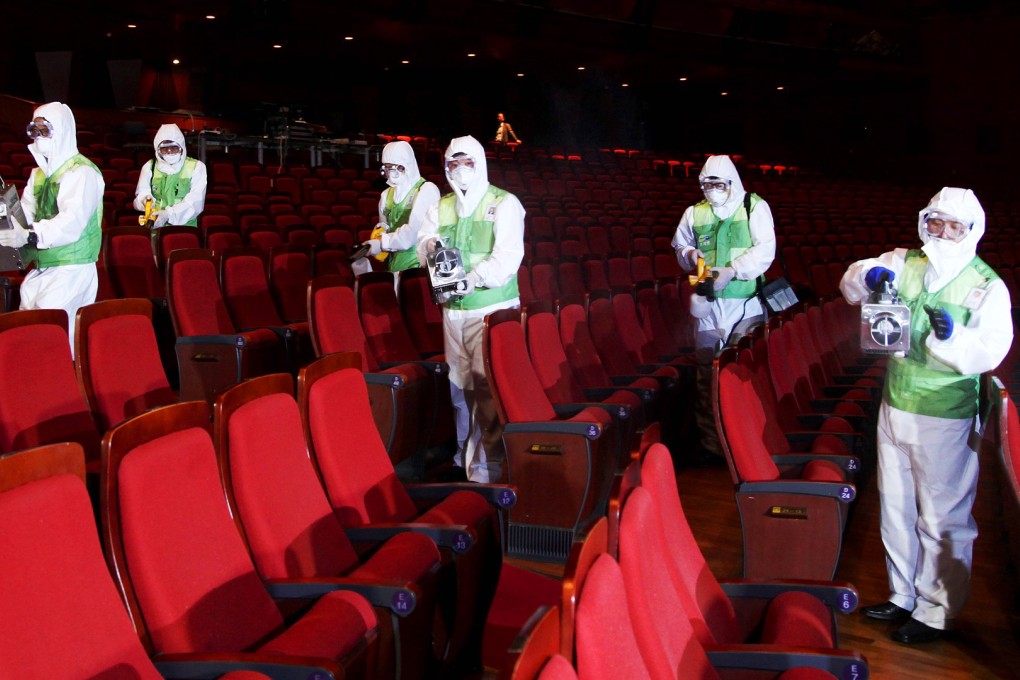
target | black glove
[{"x": 941, "y": 322}]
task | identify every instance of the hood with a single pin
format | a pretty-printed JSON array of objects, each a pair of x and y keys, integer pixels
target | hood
[
  {"x": 947, "y": 257},
  {"x": 173, "y": 133},
  {"x": 468, "y": 200},
  {"x": 65, "y": 136},
  {"x": 722, "y": 166},
  {"x": 401, "y": 153}
]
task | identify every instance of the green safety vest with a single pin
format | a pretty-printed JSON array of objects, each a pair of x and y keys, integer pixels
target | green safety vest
[
  {"x": 474, "y": 237},
  {"x": 86, "y": 248},
  {"x": 920, "y": 383},
  {"x": 397, "y": 215},
  {"x": 722, "y": 241},
  {"x": 170, "y": 189}
]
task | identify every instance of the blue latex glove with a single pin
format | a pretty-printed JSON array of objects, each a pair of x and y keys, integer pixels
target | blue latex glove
[
  {"x": 873, "y": 278},
  {"x": 941, "y": 322}
]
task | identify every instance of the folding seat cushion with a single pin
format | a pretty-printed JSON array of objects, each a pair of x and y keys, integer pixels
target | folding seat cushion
[
  {"x": 182, "y": 565},
  {"x": 55, "y": 580},
  {"x": 581, "y": 476},
  {"x": 402, "y": 393},
  {"x": 794, "y": 613},
  {"x": 211, "y": 352},
  {"x": 274, "y": 490},
  {"x": 364, "y": 489},
  {"x": 675, "y": 650}
]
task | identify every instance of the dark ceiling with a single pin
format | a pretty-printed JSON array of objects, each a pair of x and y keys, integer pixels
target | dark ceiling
[{"x": 634, "y": 54}]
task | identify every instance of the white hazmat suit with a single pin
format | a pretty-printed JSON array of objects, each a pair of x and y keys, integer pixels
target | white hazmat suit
[
  {"x": 748, "y": 251},
  {"x": 180, "y": 207},
  {"x": 492, "y": 275},
  {"x": 928, "y": 467},
  {"x": 67, "y": 245}
]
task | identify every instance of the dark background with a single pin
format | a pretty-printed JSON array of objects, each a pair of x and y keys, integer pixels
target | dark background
[{"x": 870, "y": 88}]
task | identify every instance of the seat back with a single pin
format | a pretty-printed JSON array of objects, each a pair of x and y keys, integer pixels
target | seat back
[
  {"x": 171, "y": 238},
  {"x": 516, "y": 387},
  {"x": 196, "y": 303},
  {"x": 352, "y": 461},
  {"x": 580, "y": 348},
  {"x": 615, "y": 356},
  {"x": 117, "y": 360},
  {"x": 40, "y": 402},
  {"x": 290, "y": 270},
  {"x": 423, "y": 318},
  {"x": 54, "y": 580},
  {"x": 380, "y": 316},
  {"x": 606, "y": 643},
  {"x": 741, "y": 413},
  {"x": 130, "y": 263},
  {"x": 271, "y": 484},
  {"x": 714, "y": 619},
  {"x": 245, "y": 287},
  {"x": 176, "y": 551},
  {"x": 666, "y": 650},
  {"x": 549, "y": 359},
  {"x": 334, "y": 322}
]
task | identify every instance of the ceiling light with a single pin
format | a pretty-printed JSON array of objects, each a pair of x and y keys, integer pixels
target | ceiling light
[
  {"x": 175, "y": 62},
  {"x": 520, "y": 75},
  {"x": 724, "y": 93},
  {"x": 132, "y": 25},
  {"x": 780, "y": 88},
  {"x": 471, "y": 54},
  {"x": 683, "y": 79},
  {"x": 580, "y": 68},
  {"x": 405, "y": 61},
  {"x": 625, "y": 85},
  {"x": 210, "y": 16},
  {"x": 348, "y": 37},
  {"x": 277, "y": 46}
]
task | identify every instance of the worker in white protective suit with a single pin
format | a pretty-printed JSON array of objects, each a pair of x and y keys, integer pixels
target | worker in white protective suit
[
  {"x": 402, "y": 208},
  {"x": 63, "y": 205},
  {"x": 960, "y": 327},
  {"x": 739, "y": 248},
  {"x": 175, "y": 182},
  {"x": 487, "y": 224}
]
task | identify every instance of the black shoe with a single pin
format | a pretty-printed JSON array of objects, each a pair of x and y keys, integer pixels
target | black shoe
[
  {"x": 913, "y": 632},
  {"x": 886, "y": 612}
]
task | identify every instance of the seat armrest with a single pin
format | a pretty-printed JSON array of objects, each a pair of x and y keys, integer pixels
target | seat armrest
[
  {"x": 843, "y": 492},
  {"x": 850, "y": 464},
  {"x": 395, "y": 380},
  {"x": 839, "y": 596},
  {"x": 839, "y": 662},
  {"x": 588, "y": 430},
  {"x": 457, "y": 537},
  {"x": 400, "y": 598},
  {"x": 202, "y": 666},
  {"x": 502, "y": 496},
  {"x": 437, "y": 367},
  {"x": 617, "y": 411}
]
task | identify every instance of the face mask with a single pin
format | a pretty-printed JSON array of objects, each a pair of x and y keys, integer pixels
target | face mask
[
  {"x": 393, "y": 177},
  {"x": 44, "y": 145},
  {"x": 462, "y": 177},
  {"x": 717, "y": 196},
  {"x": 172, "y": 158}
]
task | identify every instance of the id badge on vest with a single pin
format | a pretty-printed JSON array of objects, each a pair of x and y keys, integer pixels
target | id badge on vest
[{"x": 975, "y": 298}]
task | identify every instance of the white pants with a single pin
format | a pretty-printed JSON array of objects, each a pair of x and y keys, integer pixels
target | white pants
[
  {"x": 479, "y": 439},
  {"x": 927, "y": 481},
  {"x": 66, "y": 287}
]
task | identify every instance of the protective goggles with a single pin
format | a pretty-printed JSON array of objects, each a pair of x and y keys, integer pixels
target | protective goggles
[
  {"x": 458, "y": 161},
  {"x": 39, "y": 128},
  {"x": 386, "y": 167},
  {"x": 169, "y": 148},
  {"x": 946, "y": 226},
  {"x": 715, "y": 184}
]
